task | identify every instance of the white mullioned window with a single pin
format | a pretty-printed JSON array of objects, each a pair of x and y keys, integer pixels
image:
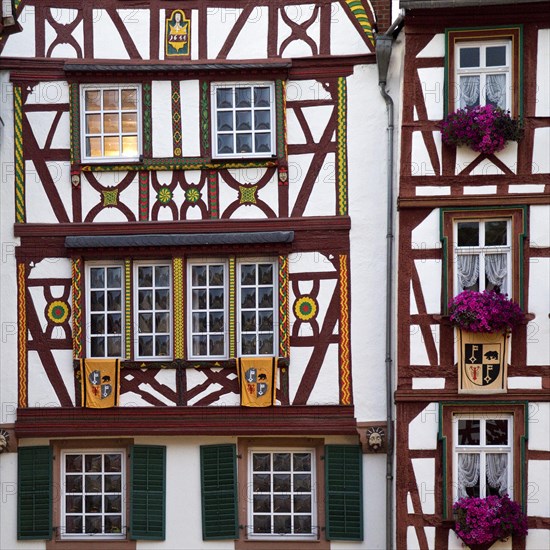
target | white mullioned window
[
  {"x": 483, "y": 458},
  {"x": 105, "y": 319},
  {"x": 243, "y": 117},
  {"x": 153, "y": 310},
  {"x": 483, "y": 255},
  {"x": 92, "y": 494},
  {"x": 110, "y": 122},
  {"x": 281, "y": 497},
  {"x": 208, "y": 309},
  {"x": 483, "y": 74},
  {"x": 256, "y": 312}
]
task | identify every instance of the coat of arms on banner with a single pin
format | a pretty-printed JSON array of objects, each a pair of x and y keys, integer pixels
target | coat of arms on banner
[
  {"x": 257, "y": 379},
  {"x": 482, "y": 362},
  {"x": 100, "y": 386},
  {"x": 256, "y": 384}
]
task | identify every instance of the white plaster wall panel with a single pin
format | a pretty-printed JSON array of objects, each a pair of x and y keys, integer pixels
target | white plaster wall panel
[
  {"x": 410, "y": 507},
  {"x": 295, "y": 133},
  {"x": 413, "y": 305},
  {"x": 161, "y": 114},
  {"x": 430, "y": 191},
  {"x": 527, "y": 188},
  {"x": 465, "y": 156},
  {"x": 424, "y": 427},
  {"x": 22, "y": 44},
  {"x": 300, "y": 359},
  {"x": 267, "y": 194},
  {"x": 190, "y": 123},
  {"x": 137, "y": 22},
  {"x": 539, "y": 422},
  {"x": 524, "y": 383},
  {"x": 251, "y": 43},
  {"x": 38, "y": 206},
  {"x": 309, "y": 262},
  {"x": 194, "y": 34},
  {"x": 415, "y": 113},
  {"x": 541, "y": 145},
  {"x": 39, "y": 303},
  {"x": 40, "y": 389},
  {"x": 421, "y": 165},
  {"x": 298, "y": 14},
  {"x": 537, "y": 539},
  {"x": 367, "y": 117},
  {"x": 147, "y": 388},
  {"x": 428, "y": 383},
  {"x": 539, "y": 226},
  {"x": 538, "y": 330},
  {"x": 46, "y": 93},
  {"x": 51, "y": 268},
  {"x": 317, "y": 119},
  {"x": 374, "y": 509},
  {"x": 326, "y": 389},
  {"x": 61, "y": 175},
  {"x": 114, "y": 47},
  {"x": 508, "y": 156},
  {"x": 322, "y": 201},
  {"x": 8, "y": 267},
  {"x": 424, "y": 473},
  {"x": 326, "y": 291},
  {"x": 306, "y": 90},
  {"x": 434, "y": 48},
  {"x": 8, "y": 479},
  {"x": 298, "y": 166},
  {"x": 429, "y": 273},
  {"x": 542, "y": 100},
  {"x": 64, "y": 17},
  {"x": 454, "y": 542},
  {"x": 197, "y": 378},
  {"x": 162, "y": 30},
  {"x": 108, "y": 215},
  {"x": 61, "y": 137},
  {"x": 345, "y": 39},
  {"x": 538, "y": 495},
  {"x": 412, "y": 539},
  {"x": 480, "y": 190},
  {"x": 431, "y": 82},
  {"x": 426, "y": 234},
  {"x": 419, "y": 353},
  {"x": 219, "y": 22},
  {"x": 41, "y": 124},
  {"x": 131, "y": 399}
]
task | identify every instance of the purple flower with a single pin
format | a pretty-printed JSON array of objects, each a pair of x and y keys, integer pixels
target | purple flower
[{"x": 486, "y": 311}]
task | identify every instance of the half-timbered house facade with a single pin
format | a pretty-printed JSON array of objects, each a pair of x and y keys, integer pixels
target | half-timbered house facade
[
  {"x": 470, "y": 220},
  {"x": 186, "y": 186}
]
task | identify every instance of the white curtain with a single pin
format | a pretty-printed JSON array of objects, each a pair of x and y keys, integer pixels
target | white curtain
[
  {"x": 469, "y": 91},
  {"x": 468, "y": 269},
  {"x": 496, "y": 90},
  {"x": 497, "y": 472},
  {"x": 496, "y": 269},
  {"x": 468, "y": 472}
]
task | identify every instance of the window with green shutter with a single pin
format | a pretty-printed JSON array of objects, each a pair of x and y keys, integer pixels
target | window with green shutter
[
  {"x": 344, "y": 504},
  {"x": 147, "y": 493},
  {"x": 219, "y": 492},
  {"x": 34, "y": 519}
]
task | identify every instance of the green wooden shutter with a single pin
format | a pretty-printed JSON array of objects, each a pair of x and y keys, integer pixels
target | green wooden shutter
[
  {"x": 219, "y": 492},
  {"x": 34, "y": 497},
  {"x": 147, "y": 493},
  {"x": 344, "y": 490}
]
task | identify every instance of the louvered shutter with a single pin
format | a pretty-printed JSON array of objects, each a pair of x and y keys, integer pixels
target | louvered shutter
[
  {"x": 219, "y": 492},
  {"x": 344, "y": 489},
  {"x": 34, "y": 497},
  {"x": 147, "y": 492}
]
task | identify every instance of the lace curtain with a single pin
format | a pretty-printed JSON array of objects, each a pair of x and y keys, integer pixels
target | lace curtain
[
  {"x": 468, "y": 269},
  {"x": 497, "y": 472},
  {"x": 496, "y": 90},
  {"x": 496, "y": 270},
  {"x": 469, "y": 91},
  {"x": 468, "y": 472}
]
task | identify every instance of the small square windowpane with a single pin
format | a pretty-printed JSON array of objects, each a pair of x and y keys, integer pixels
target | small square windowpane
[
  {"x": 114, "y": 277},
  {"x": 216, "y": 275},
  {"x": 162, "y": 276},
  {"x": 92, "y": 100},
  {"x": 73, "y": 463},
  {"x": 129, "y": 123},
  {"x": 110, "y": 123},
  {"x": 468, "y": 432},
  {"x": 224, "y": 98},
  {"x": 262, "y": 96},
  {"x": 243, "y": 97},
  {"x": 262, "y": 524},
  {"x": 198, "y": 275},
  {"x": 110, "y": 100},
  {"x": 93, "y": 124},
  {"x": 248, "y": 274},
  {"x": 468, "y": 234},
  {"x": 217, "y": 345},
  {"x": 262, "y": 120},
  {"x": 282, "y": 524},
  {"x": 244, "y": 120},
  {"x": 469, "y": 57},
  {"x": 145, "y": 346},
  {"x": 225, "y": 144},
  {"x": 266, "y": 344},
  {"x": 496, "y": 432},
  {"x": 225, "y": 121},
  {"x": 129, "y": 100},
  {"x": 495, "y": 56},
  {"x": 261, "y": 462},
  {"x": 281, "y": 462},
  {"x": 262, "y": 503},
  {"x": 114, "y": 346},
  {"x": 244, "y": 143},
  {"x": 73, "y": 524},
  {"x": 93, "y": 147},
  {"x": 262, "y": 143},
  {"x": 496, "y": 233},
  {"x": 248, "y": 344},
  {"x": 112, "y": 146},
  {"x": 200, "y": 346}
]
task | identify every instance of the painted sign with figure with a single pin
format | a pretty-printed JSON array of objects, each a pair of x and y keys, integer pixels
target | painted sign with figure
[
  {"x": 482, "y": 362},
  {"x": 177, "y": 34}
]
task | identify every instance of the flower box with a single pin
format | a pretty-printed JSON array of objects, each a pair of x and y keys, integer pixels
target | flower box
[{"x": 485, "y": 129}]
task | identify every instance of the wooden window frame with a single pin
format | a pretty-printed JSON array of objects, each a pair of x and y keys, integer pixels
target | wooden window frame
[
  {"x": 284, "y": 542},
  {"x": 272, "y": 118},
  {"x": 518, "y": 231},
  {"x": 88, "y": 543},
  {"x": 518, "y": 411},
  {"x": 511, "y": 34},
  {"x": 83, "y": 134}
]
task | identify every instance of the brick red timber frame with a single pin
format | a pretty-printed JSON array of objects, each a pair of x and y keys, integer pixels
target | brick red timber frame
[
  {"x": 420, "y": 28},
  {"x": 186, "y": 421}
]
